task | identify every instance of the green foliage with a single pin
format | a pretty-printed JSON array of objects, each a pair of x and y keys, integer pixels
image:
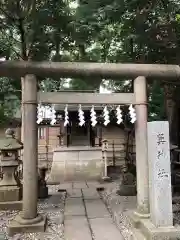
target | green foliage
[
  {"x": 96, "y": 31},
  {"x": 9, "y": 102},
  {"x": 31, "y": 30},
  {"x": 178, "y": 17},
  {"x": 156, "y": 102},
  {"x": 80, "y": 84},
  {"x": 140, "y": 31}
]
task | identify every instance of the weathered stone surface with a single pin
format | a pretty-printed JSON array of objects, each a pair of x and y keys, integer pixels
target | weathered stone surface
[
  {"x": 9, "y": 146},
  {"x": 104, "y": 229},
  {"x": 9, "y": 193},
  {"x": 94, "y": 184},
  {"x": 160, "y": 233},
  {"x": 79, "y": 185},
  {"x": 160, "y": 174},
  {"x": 96, "y": 209},
  {"x": 74, "y": 207},
  {"x": 77, "y": 228},
  {"x": 16, "y": 227},
  {"x": 65, "y": 186},
  {"x": 11, "y": 205},
  {"x": 76, "y": 164},
  {"x": 128, "y": 178},
  {"x": 90, "y": 193},
  {"x": 9, "y": 142},
  {"x": 74, "y": 193}
]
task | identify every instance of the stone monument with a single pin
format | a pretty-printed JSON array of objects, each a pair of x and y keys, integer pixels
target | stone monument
[
  {"x": 128, "y": 183},
  {"x": 10, "y": 190},
  {"x": 160, "y": 224}
]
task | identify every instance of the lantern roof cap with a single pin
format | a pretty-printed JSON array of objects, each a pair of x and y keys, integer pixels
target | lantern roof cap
[{"x": 9, "y": 142}]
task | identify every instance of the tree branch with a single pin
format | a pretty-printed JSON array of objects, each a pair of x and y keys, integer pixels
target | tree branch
[
  {"x": 12, "y": 49},
  {"x": 8, "y": 15},
  {"x": 12, "y": 37},
  {"x": 23, "y": 40}
]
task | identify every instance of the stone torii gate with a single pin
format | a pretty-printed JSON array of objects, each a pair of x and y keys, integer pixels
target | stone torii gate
[{"x": 29, "y": 219}]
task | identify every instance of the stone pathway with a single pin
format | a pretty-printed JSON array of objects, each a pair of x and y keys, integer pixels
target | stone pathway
[
  {"x": 86, "y": 216},
  {"x": 77, "y": 214}
]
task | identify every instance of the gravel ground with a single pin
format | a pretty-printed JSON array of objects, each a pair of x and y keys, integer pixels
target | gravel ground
[
  {"x": 176, "y": 211},
  {"x": 118, "y": 206},
  {"x": 53, "y": 207}
]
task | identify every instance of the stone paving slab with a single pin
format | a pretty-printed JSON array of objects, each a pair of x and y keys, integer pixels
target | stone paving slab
[
  {"x": 105, "y": 229},
  {"x": 74, "y": 207},
  {"x": 90, "y": 193},
  {"x": 94, "y": 184},
  {"x": 65, "y": 186},
  {"x": 79, "y": 185},
  {"x": 96, "y": 209},
  {"x": 74, "y": 193},
  {"x": 77, "y": 228}
]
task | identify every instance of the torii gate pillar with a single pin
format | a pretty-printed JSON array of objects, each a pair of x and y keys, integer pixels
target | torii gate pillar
[
  {"x": 29, "y": 220},
  {"x": 140, "y": 91}
]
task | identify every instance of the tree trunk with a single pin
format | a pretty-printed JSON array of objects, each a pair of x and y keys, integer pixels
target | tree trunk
[{"x": 170, "y": 108}]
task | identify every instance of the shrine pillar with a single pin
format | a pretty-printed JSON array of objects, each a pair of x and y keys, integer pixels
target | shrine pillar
[
  {"x": 30, "y": 157},
  {"x": 140, "y": 91},
  {"x": 62, "y": 135},
  {"x": 29, "y": 220}
]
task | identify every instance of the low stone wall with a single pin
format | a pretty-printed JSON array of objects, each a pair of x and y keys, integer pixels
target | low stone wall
[{"x": 76, "y": 164}]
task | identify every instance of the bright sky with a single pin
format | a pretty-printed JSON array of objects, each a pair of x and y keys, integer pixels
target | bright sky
[
  {"x": 73, "y": 4},
  {"x": 103, "y": 90}
]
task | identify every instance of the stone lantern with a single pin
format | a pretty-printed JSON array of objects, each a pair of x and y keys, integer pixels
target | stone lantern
[
  {"x": 9, "y": 147},
  {"x": 104, "y": 155}
]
